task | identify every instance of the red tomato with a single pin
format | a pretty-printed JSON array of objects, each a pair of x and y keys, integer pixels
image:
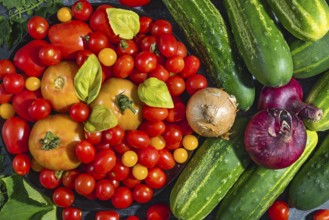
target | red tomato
[
  {"x": 68, "y": 178},
  {"x": 176, "y": 85},
  {"x": 177, "y": 113},
  {"x": 15, "y": 135},
  {"x": 122, "y": 147},
  {"x": 160, "y": 73},
  {"x": 156, "y": 178},
  {"x": 142, "y": 193},
  {"x": 68, "y": 37},
  {"x": 154, "y": 114},
  {"x": 161, "y": 26},
  {"x": 50, "y": 55},
  {"x": 158, "y": 212},
  {"x": 123, "y": 66},
  {"x": 5, "y": 97},
  {"x": 82, "y": 10},
  {"x": 104, "y": 189},
  {"x": 132, "y": 217},
  {"x": 90, "y": 169},
  {"x": 195, "y": 83},
  {"x": 137, "y": 138},
  {"x": 82, "y": 56},
  {"x": 49, "y": 179},
  {"x": 146, "y": 61},
  {"x": 21, "y": 164},
  {"x": 167, "y": 45},
  {"x": 114, "y": 135},
  {"x": 186, "y": 128},
  {"x": 63, "y": 197},
  {"x": 22, "y": 101},
  {"x": 122, "y": 197},
  {"x": 128, "y": 47},
  {"x": 93, "y": 137},
  {"x": 107, "y": 215},
  {"x": 131, "y": 181},
  {"x": 84, "y": 184},
  {"x": 279, "y": 210},
  {"x": 39, "y": 109},
  {"x": 85, "y": 151},
  {"x": 134, "y": 3},
  {"x": 192, "y": 65},
  {"x": 166, "y": 160},
  {"x": 71, "y": 213},
  {"x": 137, "y": 76},
  {"x": 27, "y": 58},
  {"x": 13, "y": 83},
  {"x": 80, "y": 112},
  {"x": 119, "y": 171},
  {"x": 98, "y": 41},
  {"x": 6, "y": 67},
  {"x": 153, "y": 128},
  {"x": 175, "y": 64},
  {"x": 148, "y": 156},
  {"x": 148, "y": 43},
  {"x": 322, "y": 214},
  {"x": 104, "y": 161},
  {"x": 99, "y": 22},
  {"x": 145, "y": 24},
  {"x": 37, "y": 27},
  {"x": 181, "y": 49}
]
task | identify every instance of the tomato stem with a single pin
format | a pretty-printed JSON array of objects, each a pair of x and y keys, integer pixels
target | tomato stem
[
  {"x": 123, "y": 102},
  {"x": 50, "y": 141}
]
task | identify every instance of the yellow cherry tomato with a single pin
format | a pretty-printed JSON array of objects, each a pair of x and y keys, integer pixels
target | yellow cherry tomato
[
  {"x": 158, "y": 142},
  {"x": 64, "y": 14},
  {"x": 129, "y": 158},
  {"x": 139, "y": 172},
  {"x": 6, "y": 110},
  {"x": 180, "y": 155},
  {"x": 190, "y": 142},
  {"x": 32, "y": 83},
  {"x": 107, "y": 56}
]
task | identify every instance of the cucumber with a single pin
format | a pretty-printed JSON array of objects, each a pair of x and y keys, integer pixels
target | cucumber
[
  {"x": 318, "y": 96},
  {"x": 260, "y": 43},
  {"x": 309, "y": 58},
  {"x": 258, "y": 187},
  {"x": 307, "y": 20},
  {"x": 208, "y": 176},
  {"x": 309, "y": 188},
  {"x": 208, "y": 36}
]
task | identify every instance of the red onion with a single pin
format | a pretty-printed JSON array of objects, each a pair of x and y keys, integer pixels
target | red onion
[
  {"x": 288, "y": 97},
  {"x": 275, "y": 138}
]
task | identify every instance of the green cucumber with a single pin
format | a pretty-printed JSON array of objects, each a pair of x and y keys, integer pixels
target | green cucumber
[
  {"x": 258, "y": 187},
  {"x": 209, "y": 175},
  {"x": 309, "y": 58},
  {"x": 209, "y": 38},
  {"x": 309, "y": 188},
  {"x": 307, "y": 20},
  {"x": 318, "y": 96},
  {"x": 261, "y": 44}
]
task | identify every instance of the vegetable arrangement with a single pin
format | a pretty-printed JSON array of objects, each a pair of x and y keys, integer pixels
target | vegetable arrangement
[{"x": 107, "y": 105}]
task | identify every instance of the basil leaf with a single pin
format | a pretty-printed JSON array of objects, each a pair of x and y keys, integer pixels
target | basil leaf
[
  {"x": 88, "y": 80},
  {"x": 124, "y": 23},
  {"x": 100, "y": 119},
  {"x": 155, "y": 93}
]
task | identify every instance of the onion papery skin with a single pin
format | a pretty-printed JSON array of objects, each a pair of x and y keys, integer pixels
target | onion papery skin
[{"x": 275, "y": 138}]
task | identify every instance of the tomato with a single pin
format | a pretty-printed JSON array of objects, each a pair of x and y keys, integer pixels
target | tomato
[
  {"x": 180, "y": 155},
  {"x": 131, "y": 181},
  {"x": 158, "y": 212},
  {"x": 134, "y": 3},
  {"x": 177, "y": 113},
  {"x": 176, "y": 85},
  {"x": 15, "y": 135},
  {"x": 161, "y": 26},
  {"x": 279, "y": 210},
  {"x": 82, "y": 10},
  {"x": 166, "y": 160},
  {"x": 129, "y": 158},
  {"x": 63, "y": 197},
  {"x": 90, "y": 169},
  {"x": 175, "y": 64},
  {"x": 123, "y": 66},
  {"x": 6, "y": 67},
  {"x": 13, "y": 83},
  {"x": 142, "y": 193},
  {"x": 107, "y": 215},
  {"x": 156, "y": 178},
  {"x": 148, "y": 156},
  {"x": 192, "y": 65},
  {"x": 5, "y": 97},
  {"x": 146, "y": 61},
  {"x": 99, "y": 22},
  {"x": 137, "y": 138},
  {"x": 37, "y": 27},
  {"x": 27, "y": 58},
  {"x": 322, "y": 214},
  {"x": 32, "y": 83},
  {"x": 148, "y": 43},
  {"x": 59, "y": 80},
  {"x": 104, "y": 161},
  {"x": 57, "y": 150},
  {"x": 67, "y": 37},
  {"x": 153, "y": 128},
  {"x": 181, "y": 49},
  {"x": 122, "y": 197},
  {"x": 172, "y": 134},
  {"x": 68, "y": 178},
  {"x": 158, "y": 142},
  {"x": 39, "y": 109},
  {"x": 104, "y": 189},
  {"x": 167, "y": 45},
  {"x": 127, "y": 47},
  {"x": 49, "y": 179},
  {"x": 114, "y": 135},
  {"x": 84, "y": 184},
  {"x": 21, "y": 102},
  {"x": 137, "y": 76},
  {"x": 21, "y": 164},
  {"x": 160, "y": 73},
  {"x": 119, "y": 171},
  {"x": 85, "y": 151},
  {"x": 195, "y": 83},
  {"x": 107, "y": 56},
  {"x": 98, "y": 41},
  {"x": 154, "y": 113},
  {"x": 64, "y": 14},
  {"x": 112, "y": 89},
  {"x": 6, "y": 110},
  {"x": 50, "y": 55},
  {"x": 71, "y": 213},
  {"x": 190, "y": 142},
  {"x": 132, "y": 217},
  {"x": 145, "y": 24},
  {"x": 80, "y": 112},
  {"x": 93, "y": 137}
]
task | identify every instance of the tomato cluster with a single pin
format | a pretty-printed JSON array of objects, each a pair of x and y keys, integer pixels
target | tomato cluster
[{"x": 117, "y": 165}]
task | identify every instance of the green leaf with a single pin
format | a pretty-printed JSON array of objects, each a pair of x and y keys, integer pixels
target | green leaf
[
  {"x": 10, "y": 4},
  {"x": 5, "y": 31},
  {"x": 88, "y": 80},
  {"x": 155, "y": 93},
  {"x": 101, "y": 118}
]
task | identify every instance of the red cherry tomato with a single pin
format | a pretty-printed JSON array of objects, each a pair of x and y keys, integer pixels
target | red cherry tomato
[
  {"x": 114, "y": 135},
  {"x": 160, "y": 73},
  {"x": 122, "y": 147},
  {"x": 22, "y": 101},
  {"x": 68, "y": 178},
  {"x": 195, "y": 83},
  {"x": 137, "y": 76},
  {"x": 85, "y": 151},
  {"x": 89, "y": 168},
  {"x": 322, "y": 214},
  {"x": 104, "y": 189},
  {"x": 50, "y": 55},
  {"x": 127, "y": 47},
  {"x": 63, "y": 197},
  {"x": 39, "y": 109},
  {"x": 37, "y": 27},
  {"x": 134, "y": 3},
  {"x": 177, "y": 113},
  {"x": 153, "y": 128},
  {"x": 142, "y": 193},
  {"x": 13, "y": 83},
  {"x": 104, "y": 161},
  {"x": 107, "y": 215},
  {"x": 279, "y": 210},
  {"x": 71, "y": 213},
  {"x": 82, "y": 10},
  {"x": 161, "y": 26},
  {"x": 84, "y": 184},
  {"x": 156, "y": 178},
  {"x": 122, "y": 197},
  {"x": 5, "y": 97},
  {"x": 166, "y": 160},
  {"x": 93, "y": 137},
  {"x": 119, "y": 171},
  {"x": 123, "y": 67},
  {"x": 148, "y": 157},
  {"x": 145, "y": 24},
  {"x": 6, "y": 67},
  {"x": 131, "y": 181},
  {"x": 181, "y": 49},
  {"x": 167, "y": 45},
  {"x": 176, "y": 85},
  {"x": 49, "y": 179},
  {"x": 98, "y": 41},
  {"x": 175, "y": 64},
  {"x": 192, "y": 65},
  {"x": 80, "y": 112},
  {"x": 137, "y": 138},
  {"x": 82, "y": 56},
  {"x": 158, "y": 212},
  {"x": 148, "y": 43},
  {"x": 21, "y": 164},
  {"x": 146, "y": 61},
  {"x": 154, "y": 114}
]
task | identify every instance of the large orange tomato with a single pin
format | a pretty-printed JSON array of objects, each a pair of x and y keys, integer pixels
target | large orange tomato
[
  {"x": 57, "y": 85},
  {"x": 52, "y": 142},
  {"x": 111, "y": 90}
]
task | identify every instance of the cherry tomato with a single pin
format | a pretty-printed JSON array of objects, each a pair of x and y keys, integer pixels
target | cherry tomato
[
  {"x": 192, "y": 65},
  {"x": 93, "y": 137},
  {"x": 114, "y": 135},
  {"x": 80, "y": 112},
  {"x": 98, "y": 41},
  {"x": 5, "y": 97},
  {"x": 160, "y": 73},
  {"x": 85, "y": 151},
  {"x": 104, "y": 189},
  {"x": 39, "y": 109},
  {"x": 49, "y": 179},
  {"x": 63, "y": 197},
  {"x": 156, "y": 178},
  {"x": 127, "y": 47},
  {"x": 123, "y": 66},
  {"x": 154, "y": 113},
  {"x": 146, "y": 61},
  {"x": 82, "y": 10},
  {"x": 195, "y": 83},
  {"x": 82, "y": 56},
  {"x": 119, "y": 171},
  {"x": 22, "y": 101},
  {"x": 104, "y": 161},
  {"x": 153, "y": 128},
  {"x": 139, "y": 171},
  {"x": 13, "y": 83},
  {"x": 64, "y": 14},
  {"x": 181, "y": 49},
  {"x": 50, "y": 55},
  {"x": 122, "y": 147},
  {"x": 37, "y": 27},
  {"x": 177, "y": 113},
  {"x": 132, "y": 217},
  {"x": 158, "y": 142},
  {"x": 148, "y": 156},
  {"x": 322, "y": 214},
  {"x": 90, "y": 169},
  {"x": 158, "y": 212},
  {"x": 145, "y": 24},
  {"x": 148, "y": 43},
  {"x": 6, "y": 110},
  {"x": 107, "y": 56},
  {"x": 6, "y": 67},
  {"x": 107, "y": 215},
  {"x": 68, "y": 178},
  {"x": 180, "y": 155},
  {"x": 279, "y": 210},
  {"x": 176, "y": 85},
  {"x": 131, "y": 181},
  {"x": 134, "y": 3},
  {"x": 129, "y": 158},
  {"x": 190, "y": 142},
  {"x": 161, "y": 26},
  {"x": 71, "y": 213},
  {"x": 137, "y": 76},
  {"x": 166, "y": 160},
  {"x": 21, "y": 164},
  {"x": 84, "y": 184},
  {"x": 172, "y": 134},
  {"x": 175, "y": 64},
  {"x": 167, "y": 45},
  {"x": 137, "y": 139},
  {"x": 122, "y": 197},
  {"x": 142, "y": 193}
]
